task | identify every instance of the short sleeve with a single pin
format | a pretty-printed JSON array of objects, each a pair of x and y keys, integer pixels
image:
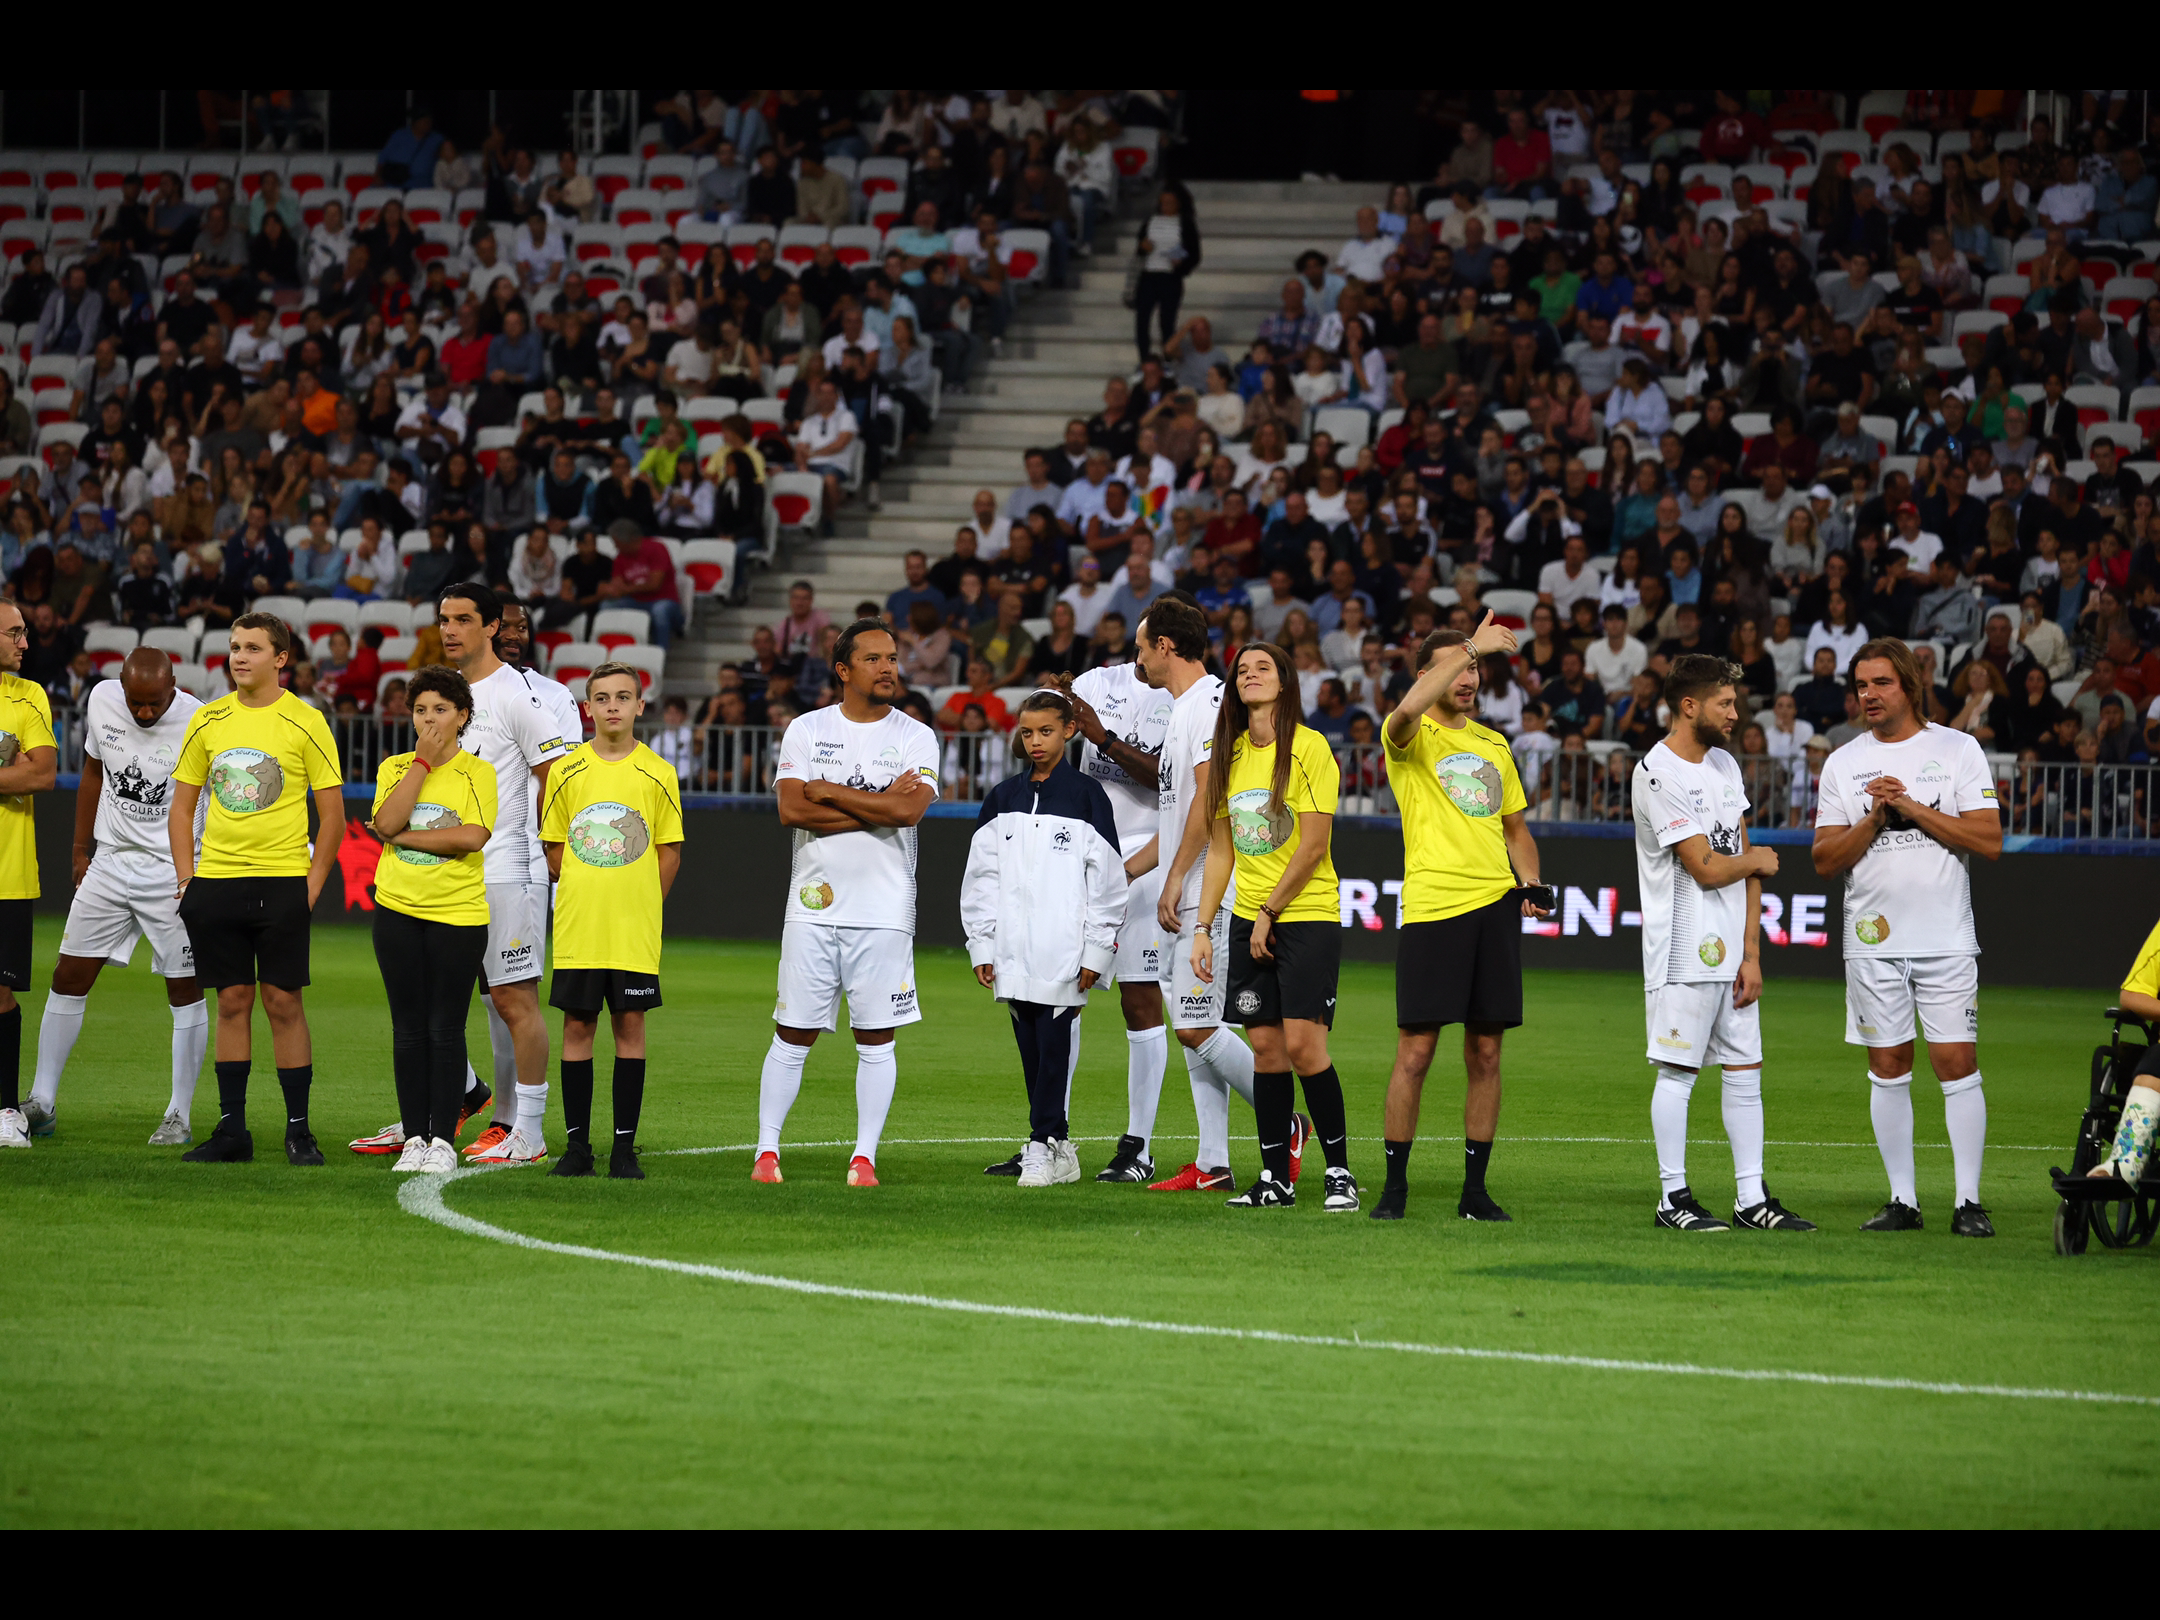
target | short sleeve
[
  {"x": 1833, "y": 809},
  {"x": 922, "y": 756},
  {"x": 484, "y": 792},
  {"x": 1512, "y": 798},
  {"x": 1975, "y": 782},
  {"x": 537, "y": 734},
  {"x": 1668, "y": 807},
  {"x": 39, "y": 732},
  {"x": 795, "y": 745},
  {"x": 193, "y": 765},
  {"x": 90, "y": 732},
  {"x": 387, "y": 776},
  {"x": 1409, "y": 750},
  {"x": 2144, "y": 979},
  {"x": 323, "y": 767},
  {"x": 667, "y": 812},
  {"x": 555, "y": 818},
  {"x": 1319, "y": 786}
]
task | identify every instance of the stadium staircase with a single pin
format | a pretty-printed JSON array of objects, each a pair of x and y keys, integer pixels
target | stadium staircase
[{"x": 1061, "y": 348}]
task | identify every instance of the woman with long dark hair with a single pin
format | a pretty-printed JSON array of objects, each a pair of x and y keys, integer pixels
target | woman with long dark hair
[
  {"x": 1272, "y": 815},
  {"x": 1167, "y": 251}
]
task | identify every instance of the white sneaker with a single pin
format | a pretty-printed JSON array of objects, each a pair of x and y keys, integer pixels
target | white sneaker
[
  {"x": 1038, "y": 1165},
  {"x": 1064, "y": 1161},
  {"x": 415, "y": 1155},
  {"x": 516, "y": 1148},
  {"x": 441, "y": 1158},
  {"x": 14, "y": 1129},
  {"x": 173, "y": 1132},
  {"x": 390, "y": 1139}
]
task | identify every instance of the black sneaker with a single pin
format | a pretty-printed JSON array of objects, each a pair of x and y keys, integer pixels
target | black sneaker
[
  {"x": 224, "y": 1147},
  {"x": 1894, "y": 1217},
  {"x": 1392, "y": 1201},
  {"x": 475, "y": 1103},
  {"x": 1683, "y": 1214},
  {"x": 1479, "y": 1206},
  {"x": 1265, "y": 1193},
  {"x": 300, "y": 1148},
  {"x": 1971, "y": 1220},
  {"x": 1769, "y": 1216},
  {"x": 1006, "y": 1167},
  {"x": 1129, "y": 1163},
  {"x": 576, "y": 1160},
  {"x": 1341, "y": 1192},
  {"x": 622, "y": 1163}
]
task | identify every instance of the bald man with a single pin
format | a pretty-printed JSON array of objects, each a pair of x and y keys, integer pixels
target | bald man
[{"x": 125, "y": 886}]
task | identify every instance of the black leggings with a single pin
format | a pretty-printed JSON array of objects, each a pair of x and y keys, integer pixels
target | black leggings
[
  {"x": 429, "y": 969},
  {"x": 1161, "y": 291},
  {"x": 1049, "y": 1038}
]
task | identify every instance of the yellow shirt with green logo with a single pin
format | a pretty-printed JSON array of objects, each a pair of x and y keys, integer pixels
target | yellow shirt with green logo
[
  {"x": 460, "y": 792},
  {"x": 1452, "y": 788},
  {"x": 609, "y": 816},
  {"x": 257, "y": 768},
  {"x": 25, "y": 723},
  {"x": 2144, "y": 976},
  {"x": 1263, "y": 841}
]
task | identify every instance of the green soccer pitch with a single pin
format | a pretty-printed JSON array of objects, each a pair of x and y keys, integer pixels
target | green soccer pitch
[{"x": 259, "y": 1345}]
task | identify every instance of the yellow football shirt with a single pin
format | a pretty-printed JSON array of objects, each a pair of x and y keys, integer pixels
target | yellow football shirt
[
  {"x": 1264, "y": 841},
  {"x": 25, "y": 723},
  {"x": 609, "y": 816},
  {"x": 460, "y": 792},
  {"x": 1452, "y": 788},
  {"x": 2144, "y": 976},
  {"x": 256, "y": 768}
]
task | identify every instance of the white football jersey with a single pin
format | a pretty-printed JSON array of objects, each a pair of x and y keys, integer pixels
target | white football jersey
[
  {"x": 513, "y": 729},
  {"x": 1138, "y": 713},
  {"x": 1188, "y": 743},
  {"x": 1689, "y": 934},
  {"x": 865, "y": 878},
  {"x": 137, "y": 762},
  {"x": 1909, "y": 895}
]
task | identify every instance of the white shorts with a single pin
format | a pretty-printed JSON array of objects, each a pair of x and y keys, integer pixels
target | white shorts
[
  {"x": 1140, "y": 941},
  {"x": 121, "y": 901},
  {"x": 1696, "y": 1026},
  {"x": 517, "y": 933},
  {"x": 873, "y": 967},
  {"x": 1882, "y": 994}
]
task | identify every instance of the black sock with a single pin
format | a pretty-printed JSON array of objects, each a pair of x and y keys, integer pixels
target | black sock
[
  {"x": 1476, "y": 1156},
  {"x": 295, "y": 1083},
  {"x": 1274, "y": 1097},
  {"x": 1398, "y": 1165},
  {"x": 577, "y": 1088},
  {"x": 1323, "y": 1095},
  {"x": 629, "y": 1098},
  {"x": 232, "y": 1079},
  {"x": 11, "y": 1057}
]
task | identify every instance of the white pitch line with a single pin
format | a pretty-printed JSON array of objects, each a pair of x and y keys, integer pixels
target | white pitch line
[
  {"x": 423, "y": 1196},
  {"x": 1162, "y": 1136}
]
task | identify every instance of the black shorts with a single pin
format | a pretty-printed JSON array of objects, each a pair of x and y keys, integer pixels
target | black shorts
[
  {"x": 585, "y": 991},
  {"x": 248, "y": 930},
  {"x": 15, "y": 943},
  {"x": 1297, "y": 981},
  {"x": 1462, "y": 970}
]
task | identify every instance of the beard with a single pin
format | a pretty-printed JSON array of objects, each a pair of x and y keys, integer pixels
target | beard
[{"x": 1711, "y": 735}]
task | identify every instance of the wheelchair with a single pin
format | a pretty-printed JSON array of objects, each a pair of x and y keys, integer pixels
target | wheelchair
[{"x": 2119, "y": 1216}]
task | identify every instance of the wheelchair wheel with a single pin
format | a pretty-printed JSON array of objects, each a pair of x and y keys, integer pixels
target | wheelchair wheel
[
  {"x": 2117, "y": 1224},
  {"x": 2069, "y": 1228},
  {"x": 2147, "y": 1218}
]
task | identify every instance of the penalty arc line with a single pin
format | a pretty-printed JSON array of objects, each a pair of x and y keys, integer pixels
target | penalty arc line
[{"x": 424, "y": 1196}]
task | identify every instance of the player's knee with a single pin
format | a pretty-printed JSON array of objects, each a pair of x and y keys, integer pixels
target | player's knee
[
  {"x": 1308, "y": 1050},
  {"x": 235, "y": 1000},
  {"x": 1193, "y": 1039}
]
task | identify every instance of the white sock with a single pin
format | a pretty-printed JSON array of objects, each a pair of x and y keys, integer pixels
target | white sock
[
  {"x": 877, "y": 1076},
  {"x": 1744, "y": 1129},
  {"x": 1211, "y": 1107},
  {"x": 504, "y": 1049},
  {"x": 1890, "y": 1103},
  {"x": 472, "y": 1078},
  {"x": 57, "y": 1032},
  {"x": 1230, "y": 1058},
  {"x": 532, "y": 1110},
  {"x": 1147, "y": 1054},
  {"x": 1668, "y": 1124},
  {"x": 1965, "y": 1111},
  {"x": 190, "y": 1040},
  {"x": 778, "y": 1086}
]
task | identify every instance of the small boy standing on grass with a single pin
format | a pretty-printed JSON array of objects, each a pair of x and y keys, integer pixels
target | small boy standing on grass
[{"x": 616, "y": 808}]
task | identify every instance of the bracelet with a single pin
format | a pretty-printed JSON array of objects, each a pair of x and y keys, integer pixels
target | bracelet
[{"x": 1270, "y": 912}]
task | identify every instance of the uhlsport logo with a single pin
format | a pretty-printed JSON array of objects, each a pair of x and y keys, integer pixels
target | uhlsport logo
[
  {"x": 815, "y": 896},
  {"x": 608, "y": 835},
  {"x": 1871, "y": 928},
  {"x": 1472, "y": 782},
  {"x": 427, "y": 818},
  {"x": 1711, "y": 950},
  {"x": 245, "y": 780}
]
